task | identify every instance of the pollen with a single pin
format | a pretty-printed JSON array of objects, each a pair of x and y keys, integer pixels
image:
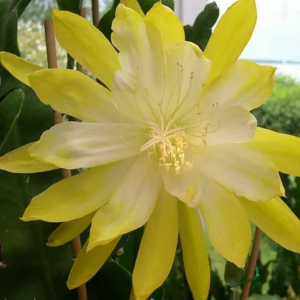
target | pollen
[{"x": 169, "y": 144}]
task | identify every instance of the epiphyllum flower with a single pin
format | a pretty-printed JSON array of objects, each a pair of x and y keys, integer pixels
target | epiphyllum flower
[{"x": 172, "y": 123}]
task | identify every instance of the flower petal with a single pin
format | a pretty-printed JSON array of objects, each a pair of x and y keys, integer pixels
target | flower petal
[
  {"x": 245, "y": 84},
  {"x": 141, "y": 51},
  {"x": 74, "y": 145},
  {"x": 230, "y": 36},
  {"x": 225, "y": 126},
  {"x": 276, "y": 219},
  {"x": 75, "y": 94},
  {"x": 18, "y": 67},
  {"x": 77, "y": 196},
  {"x": 19, "y": 161},
  {"x": 133, "y": 4},
  {"x": 157, "y": 249},
  {"x": 244, "y": 171},
  {"x": 284, "y": 149},
  {"x": 87, "y": 264},
  {"x": 195, "y": 256},
  {"x": 168, "y": 24},
  {"x": 86, "y": 44},
  {"x": 131, "y": 205},
  {"x": 67, "y": 231},
  {"x": 226, "y": 222}
]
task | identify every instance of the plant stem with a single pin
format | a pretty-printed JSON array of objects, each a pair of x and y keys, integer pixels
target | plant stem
[
  {"x": 95, "y": 11},
  {"x": 252, "y": 263},
  {"x": 52, "y": 63}
]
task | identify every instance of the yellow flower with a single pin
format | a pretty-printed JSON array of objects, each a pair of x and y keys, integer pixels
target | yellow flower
[{"x": 171, "y": 123}]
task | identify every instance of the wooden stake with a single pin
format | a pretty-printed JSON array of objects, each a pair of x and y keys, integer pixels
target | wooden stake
[
  {"x": 252, "y": 263},
  {"x": 52, "y": 63},
  {"x": 95, "y": 12}
]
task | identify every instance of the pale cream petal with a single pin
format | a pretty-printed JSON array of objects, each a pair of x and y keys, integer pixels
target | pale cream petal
[
  {"x": 226, "y": 222},
  {"x": 157, "y": 248},
  {"x": 18, "y": 67},
  {"x": 195, "y": 256},
  {"x": 242, "y": 170},
  {"x": 73, "y": 145},
  {"x": 67, "y": 231},
  {"x": 73, "y": 93},
  {"x": 284, "y": 149},
  {"x": 141, "y": 51},
  {"x": 230, "y": 36},
  {"x": 168, "y": 24},
  {"x": 131, "y": 205},
  {"x": 245, "y": 84},
  {"x": 77, "y": 196},
  {"x": 86, "y": 44},
  {"x": 87, "y": 264},
  {"x": 276, "y": 219},
  {"x": 226, "y": 125},
  {"x": 19, "y": 161}
]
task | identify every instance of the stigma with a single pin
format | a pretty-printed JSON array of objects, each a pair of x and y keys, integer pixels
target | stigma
[{"x": 168, "y": 143}]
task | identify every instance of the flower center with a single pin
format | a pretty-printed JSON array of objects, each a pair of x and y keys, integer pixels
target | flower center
[{"x": 169, "y": 144}]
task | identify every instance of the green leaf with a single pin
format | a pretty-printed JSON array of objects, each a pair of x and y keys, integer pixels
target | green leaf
[
  {"x": 201, "y": 31},
  {"x": 32, "y": 269},
  {"x": 233, "y": 274},
  {"x": 70, "y": 5},
  {"x": 10, "y": 11}
]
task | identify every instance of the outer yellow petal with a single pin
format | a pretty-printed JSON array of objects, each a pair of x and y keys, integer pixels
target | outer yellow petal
[
  {"x": 88, "y": 263},
  {"x": 245, "y": 84},
  {"x": 230, "y": 37},
  {"x": 86, "y": 44},
  {"x": 276, "y": 219},
  {"x": 195, "y": 257},
  {"x": 75, "y": 94},
  {"x": 284, "y": 149},
  {"x": 18, "y": 67},
  {"x": 77, "y": 196},
  {"x": 226, "y": 222},
  {"x": 131, "y": 205},
  {"x": 19, "y": 161},
  {"x": 168, "y": 24},
  {"x": 67, "y": 231},
  {"x": 73, "y": 145},
  {"x": 133, "y": 4},
  {"x": 244, "y": 171},
  {"x": 157, "y": 249}
]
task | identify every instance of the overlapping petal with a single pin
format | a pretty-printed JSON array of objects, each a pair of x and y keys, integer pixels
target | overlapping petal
[
  {"x": 75, "y": 94},
  {"x": 88, "y": 263},
  {"x": 168, "y": 24},
  {"x": 230, "y": 36},
  {"x": 18, "y": 67},
  {"x": 245, "y": 84},
  {"x": 275, "y": 219},
  {"x": 19, "y": 161},
  {"x": 131, "y": 205},
  {"x": 226, "y": 221},
  {"x": 74, "y": 145},
  {"x": 77, "y": 196},
  {"x": 67, "y": 231},
  {"x": 86, "y": 44},
  {"x": 157, "y": 249},
  {"x": 195, "y": 257},
  {"x": 284, "y": 149},
  {"x": 244, "y": 171},
  {"x": 133, "y": 4}
]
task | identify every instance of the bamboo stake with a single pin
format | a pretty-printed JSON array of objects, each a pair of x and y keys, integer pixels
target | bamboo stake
[
  {"x": 95, "y": 12},
  {"x": 252, "y": 263},
  {"x": 52, "y": 63}
]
